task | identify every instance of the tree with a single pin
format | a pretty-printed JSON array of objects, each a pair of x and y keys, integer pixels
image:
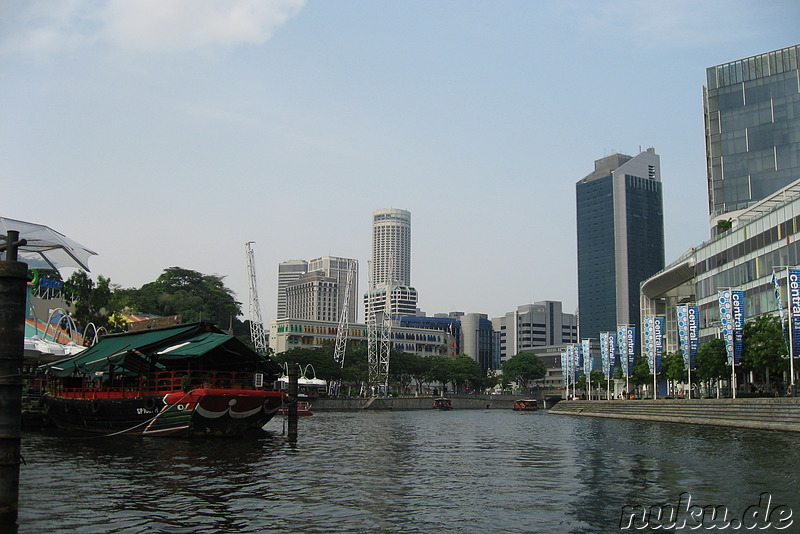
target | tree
[
  {"x": 673, "y": 369},
  {"x": 641, "y": 371},
  {"x": 439, "y": 370},
  {"x": 90, "y": 301},
  {"x": 466, "y": 372},
  {"x": 764, "y": 347},
  {"x": 712, "y": 361},
  {"x": 523, "y": 368},
  {"x": 192, "y": 295}
]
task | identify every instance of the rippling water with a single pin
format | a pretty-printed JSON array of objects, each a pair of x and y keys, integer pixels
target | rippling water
[{"x": 466, "y": 471}]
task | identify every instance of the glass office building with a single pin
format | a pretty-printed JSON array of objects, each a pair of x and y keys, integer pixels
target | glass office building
[
  {"x": 752, "y": 123},
  {"x": 620, "y": 222}
]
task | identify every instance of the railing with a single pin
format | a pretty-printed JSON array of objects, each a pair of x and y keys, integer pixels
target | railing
[{"x": 159, "y": 383}]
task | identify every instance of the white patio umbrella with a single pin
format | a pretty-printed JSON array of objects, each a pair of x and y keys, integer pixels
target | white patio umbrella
[{"x": 45, "y": 248}]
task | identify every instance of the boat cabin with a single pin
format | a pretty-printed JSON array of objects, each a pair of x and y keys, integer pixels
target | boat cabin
[
  {"x": 442, "y": 403},
  {"x": 526, "y": 405}
]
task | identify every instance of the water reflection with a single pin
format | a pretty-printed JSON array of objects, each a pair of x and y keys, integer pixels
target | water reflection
[{"x": 428, "y": 471}]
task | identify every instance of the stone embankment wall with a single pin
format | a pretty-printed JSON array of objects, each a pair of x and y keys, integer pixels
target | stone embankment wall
[
  {"x": 760, "y": 413},
  {"x": 470, "y": 402}
]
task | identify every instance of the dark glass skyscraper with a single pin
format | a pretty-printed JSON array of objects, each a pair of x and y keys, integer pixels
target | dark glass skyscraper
[
  {"x": 620, "y": 219},
  {"x": 752, "y": 120}
]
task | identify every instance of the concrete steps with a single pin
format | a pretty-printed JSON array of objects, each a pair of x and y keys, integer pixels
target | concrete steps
[{"x": 763, "y": 413}]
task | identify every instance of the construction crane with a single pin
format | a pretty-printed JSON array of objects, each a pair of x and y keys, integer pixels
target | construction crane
[
  {"x": 257, "y": 333},
  {"x": 379, "y": 359},
  {"x": 344, "y": 324}
]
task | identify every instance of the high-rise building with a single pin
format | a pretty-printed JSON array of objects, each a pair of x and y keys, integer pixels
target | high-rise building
[
  {"x": 752, "y": 116},
  {"x": 304, "y": 289},
  {"x": 620, "y": 222},
  {"x": 337, "y": 268},
  {"x": 288, "y": 272},
  {"x": 314, "y": 296},
  {"x": 391, "y": 264},
  {"x": 391, "y": 247},
  {"x": 535, "y": 325}
]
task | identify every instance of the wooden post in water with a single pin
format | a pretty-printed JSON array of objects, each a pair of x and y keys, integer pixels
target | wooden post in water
[
  {"x": 292, "y": 400},
  {"x": 13, "y": 285}
]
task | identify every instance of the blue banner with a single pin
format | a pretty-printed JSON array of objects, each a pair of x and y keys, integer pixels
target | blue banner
[
  {"x": 622, "y": 348},
  {"x": 726, "y": 318},
  {"x": 612, "y": 342},
  {"x": 682, "y": 313},
  {"x": 653, "y": 331},
  {"x": 588, "y": 362},
  {"x": 631, "y": 340},
  {"x": 737, "y": 310},
  {"x": 604, "y": 353},
  {"x": 794, "y": 308},
  {"x": 694, "y": 333}
]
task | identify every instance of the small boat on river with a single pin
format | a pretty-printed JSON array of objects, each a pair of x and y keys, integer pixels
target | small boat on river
[
  {"x": 303, "y": 408},
  {"x": 185, "y": 380},
  {"x": 526, "y": 405},
  {"x": 442, "y": 403}
]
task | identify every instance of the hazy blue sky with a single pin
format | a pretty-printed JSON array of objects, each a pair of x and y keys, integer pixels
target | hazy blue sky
[{"x": 167, "y": 133}]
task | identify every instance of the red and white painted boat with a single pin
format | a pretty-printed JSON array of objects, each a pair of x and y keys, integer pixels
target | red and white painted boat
[{"x": 188, "y": 380}]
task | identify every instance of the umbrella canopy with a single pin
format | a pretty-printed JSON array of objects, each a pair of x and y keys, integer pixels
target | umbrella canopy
[{"x": 46, "y": 248}]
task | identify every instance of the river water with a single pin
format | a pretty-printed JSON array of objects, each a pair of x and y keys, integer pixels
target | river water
[{"x": 465, "y": 471}]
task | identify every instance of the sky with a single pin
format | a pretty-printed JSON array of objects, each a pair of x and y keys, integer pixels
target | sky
[{"x": 169, "y": 133}]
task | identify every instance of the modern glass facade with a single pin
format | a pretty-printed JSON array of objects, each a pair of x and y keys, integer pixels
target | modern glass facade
[
  {"x": 620, "y": 223},
  {"x": 752, "y": 123},
  {"x": 765, "y": 239}
]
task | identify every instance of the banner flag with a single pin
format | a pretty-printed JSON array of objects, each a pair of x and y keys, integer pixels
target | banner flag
[
  {"x": 737, "y": 310},
  {"x": 653, "y": 330},
  {"x": 682, "y": 313},
  {"x": 588, "y": 361},
  {"x": 649, "y": 349},
  {"x": 604, "y": 352},
  {"x": 622, "y": 348},
  {"x": 693, "y": 319},
  {"x": 794, "y": 308},
  {"x": 726, "y": 318},
  {"x": 631, "y": 339},
  {"x": 612, "y": 343}
]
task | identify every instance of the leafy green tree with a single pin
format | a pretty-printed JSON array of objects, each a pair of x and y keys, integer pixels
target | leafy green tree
[
  {"x": 402, "y": 366},
  {"x": 599, "y": 379},
  {"x": 764, "y": 347},
  {"x": 440, "y": 370},
  {"x": 524, "y": 368},
  {"x": 90, "y": 301},
  {"x": 712, "y": 361},
  {"x": 641, "y": 371},
  {"x": 673, "y": 369},
  {"x": 190, "y": 294},
  {"x": 466, "y": 372}
]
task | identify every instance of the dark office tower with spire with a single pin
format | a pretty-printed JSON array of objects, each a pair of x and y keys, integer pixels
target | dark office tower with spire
[
  {"x": 752, "y": 120},
  {"x": 620, "y": 222}
]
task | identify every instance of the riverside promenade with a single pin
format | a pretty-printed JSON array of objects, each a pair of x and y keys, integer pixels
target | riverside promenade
[
  {"x": 459, "y": 402},
  {"x": 764, "y": 413}
]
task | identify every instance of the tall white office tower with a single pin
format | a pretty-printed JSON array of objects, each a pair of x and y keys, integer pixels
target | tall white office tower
[
  {"x": 288, "y": 272},
  {"x": 337, "y": 268},
  {"x": 391, "y": 264}
]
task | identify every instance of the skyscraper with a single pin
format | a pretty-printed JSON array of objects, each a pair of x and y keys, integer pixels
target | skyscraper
[
  {"x": 391, "y": 264},
  {"x": 315, "y": 289},
  {"x": 337, "y": 268},
  {"x": 752, "y": 116},
  {"x": 288, "y": 272},
  {"x": 620, "y": 225},
  {"x": 391, "y": 247}
]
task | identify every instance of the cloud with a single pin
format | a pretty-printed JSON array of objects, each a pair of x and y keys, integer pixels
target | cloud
[{"x": 141, "y": 25}]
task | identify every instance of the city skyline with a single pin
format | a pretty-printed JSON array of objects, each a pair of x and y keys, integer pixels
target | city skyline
[{"x": 148, "y": 137}]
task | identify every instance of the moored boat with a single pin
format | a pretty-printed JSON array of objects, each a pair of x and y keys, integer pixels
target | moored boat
[
  {"x": 185, "y": 380},
  {"x": 442, "y": 403},
  {"x": 303, "y": 408},
  {"x": 526, "y": 405}
]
